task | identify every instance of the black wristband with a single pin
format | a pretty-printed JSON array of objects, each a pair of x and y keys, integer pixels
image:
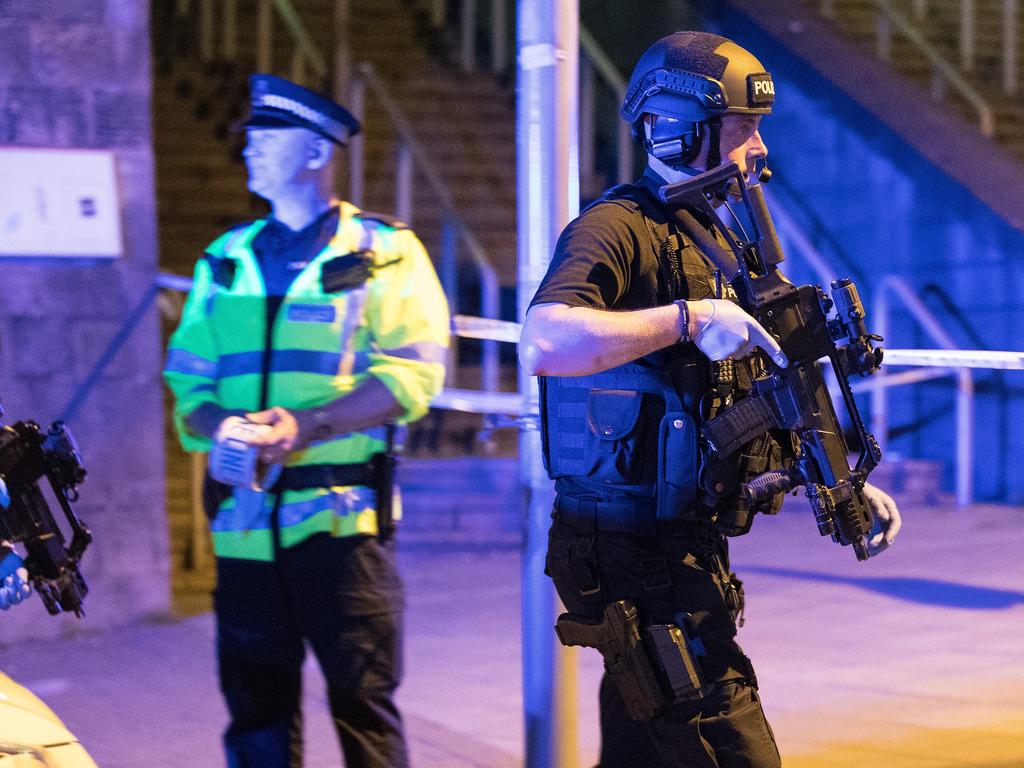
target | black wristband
[{"x": 684, "y": 317}]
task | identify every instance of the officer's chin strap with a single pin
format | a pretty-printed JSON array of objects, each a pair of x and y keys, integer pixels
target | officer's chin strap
[{"x": 714, "y": 142}]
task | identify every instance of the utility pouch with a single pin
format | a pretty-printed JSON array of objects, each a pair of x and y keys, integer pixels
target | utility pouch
[
  {"x": 672, "y": 650},
  {"x": 615, "y": 443},
  {"x": 626, "y": 660},
  {"x": 677, "y": 466}
]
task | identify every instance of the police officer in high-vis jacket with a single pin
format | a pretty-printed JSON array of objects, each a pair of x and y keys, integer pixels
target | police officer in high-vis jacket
[
  {"x": 624, "y": 331},
  {"x": 328, "y": 326}
]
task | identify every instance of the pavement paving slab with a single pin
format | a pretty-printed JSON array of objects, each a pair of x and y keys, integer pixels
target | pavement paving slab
[{"x": 914, "y": 659}]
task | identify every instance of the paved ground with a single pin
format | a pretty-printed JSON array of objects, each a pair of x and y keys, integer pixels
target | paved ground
[{"x": 913, "y": 660}]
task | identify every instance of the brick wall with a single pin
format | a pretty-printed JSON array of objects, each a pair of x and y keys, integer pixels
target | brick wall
[{"x": 76, "y": 74}]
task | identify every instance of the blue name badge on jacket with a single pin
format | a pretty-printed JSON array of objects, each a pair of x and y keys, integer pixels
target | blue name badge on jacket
[{"x": 311, "y": 313}]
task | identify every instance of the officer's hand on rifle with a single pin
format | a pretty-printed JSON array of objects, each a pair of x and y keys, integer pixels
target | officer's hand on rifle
[
  {"x": 722, "y": 329},
  {"x": 14, "y": 584},
  {"x": 282, "y": 439},
  {"x": 887, "y": 519}
]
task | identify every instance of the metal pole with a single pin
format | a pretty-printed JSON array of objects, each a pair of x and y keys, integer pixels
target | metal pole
[
  {"x": 965, "y": 437},
  {"x": 342, "y": 50},
  {"x": 438, "y": 11},
  {"x": 880, "y": 395},
  {"x": 229, "y": 41},
  {"x": 499, "y": 37},
  {"x": 1010, "y": 46},
  {"x": 342, "y": 69},
  {"x": 588, "y": 183},
  {"x": 206, "y": 31},
  {"x": 450, "y": 262},
  {"x": 449, "y": 274},
  {"x": 547, "y": 186},
  {"x": 468, "y": 32},
  {"x": 199, "y": 559},
  {"x": 967, "y": 35},
  {"x": 264, "y": 36},
  {"x": 625, "y": 145},
  {"x": 298, "y": 68},
  {"x": 357, "y": 101},
  {"x": 403, "y": 183},
  {"x": 884, "y": 35}
]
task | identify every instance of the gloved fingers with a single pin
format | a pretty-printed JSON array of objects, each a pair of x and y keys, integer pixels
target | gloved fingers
[
  {"x": 759, "y": 337},
  {"x": 15, "y": 588},
  {"x": 26, "y": 585},
  {"x": 887, "y": 519}
]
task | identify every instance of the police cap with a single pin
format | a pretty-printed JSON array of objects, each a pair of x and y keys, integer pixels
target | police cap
[{"x": 280, "y": 103}]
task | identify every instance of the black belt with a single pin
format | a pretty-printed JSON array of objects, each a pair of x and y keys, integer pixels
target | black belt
[
  {"x": 325, "y": 476},
  {"x": 629, "y": 514},
  {"x": 625, "y": 515}
]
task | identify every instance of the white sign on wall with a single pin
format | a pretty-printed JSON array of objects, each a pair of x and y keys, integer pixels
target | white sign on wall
[{"x": 58, "y": 203}]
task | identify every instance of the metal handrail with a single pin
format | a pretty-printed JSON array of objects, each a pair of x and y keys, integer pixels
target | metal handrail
[
  {"x": 901, "y": 289},
  {"x": 306, "y": 51},
  {"x": 489, "y": 286},
  {"x": 608, "y": 73},
  {"x": 942, "y": 68},
  {"x": 879, "y": 385},
  {"x": 301, "y": 38}
]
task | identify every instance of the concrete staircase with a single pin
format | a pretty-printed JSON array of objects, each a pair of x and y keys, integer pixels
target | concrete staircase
[
  {"x": 464, "y": 122},
  {"x": 857, "y": 20}
]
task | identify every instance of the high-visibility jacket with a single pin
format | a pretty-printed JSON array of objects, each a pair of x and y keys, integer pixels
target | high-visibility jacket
[{"x": 369, "y": 304}]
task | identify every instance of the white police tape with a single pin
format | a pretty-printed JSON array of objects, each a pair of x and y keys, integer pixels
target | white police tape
[{"x": 512, "y": 403}]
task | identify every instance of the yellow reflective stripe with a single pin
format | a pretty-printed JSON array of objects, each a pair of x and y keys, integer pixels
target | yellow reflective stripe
[{"x": 259, "y": 545}]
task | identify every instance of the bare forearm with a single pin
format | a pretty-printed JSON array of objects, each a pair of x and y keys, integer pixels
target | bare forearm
[
  {"x": 559, "y": 340},
  {"x": 369, "y": 405}
]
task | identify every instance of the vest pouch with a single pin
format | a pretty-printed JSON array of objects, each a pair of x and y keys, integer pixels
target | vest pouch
[
  {"x": 614, "y": 451},
  {"x": 678, "y": 465}
]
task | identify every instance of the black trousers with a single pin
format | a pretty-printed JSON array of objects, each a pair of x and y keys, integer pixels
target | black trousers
[
  {"x": 726, "y": 728},
  {"x": 344, "y": 597}
]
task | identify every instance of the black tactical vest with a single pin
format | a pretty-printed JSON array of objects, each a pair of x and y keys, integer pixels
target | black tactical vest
[{"x": 626, "y": 439}]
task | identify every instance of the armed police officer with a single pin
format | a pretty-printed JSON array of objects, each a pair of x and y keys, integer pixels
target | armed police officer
[
  {"x": 306, "y": 337},
  {"x": 634, "y": 336}
]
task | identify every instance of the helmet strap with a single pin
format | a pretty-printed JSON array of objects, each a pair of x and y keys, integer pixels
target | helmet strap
[{"x": 714, "y": 142}]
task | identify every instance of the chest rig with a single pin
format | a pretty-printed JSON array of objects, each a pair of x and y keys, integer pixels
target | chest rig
[{"x": 624, "y": 445}]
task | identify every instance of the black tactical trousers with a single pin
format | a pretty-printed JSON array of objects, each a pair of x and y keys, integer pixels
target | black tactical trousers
[
  {"x": 662, "y": 575},
  {"x": 344, "y": 597}
]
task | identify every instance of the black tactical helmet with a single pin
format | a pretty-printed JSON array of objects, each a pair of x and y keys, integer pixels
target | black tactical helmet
[{"x": 693, "y": 77}]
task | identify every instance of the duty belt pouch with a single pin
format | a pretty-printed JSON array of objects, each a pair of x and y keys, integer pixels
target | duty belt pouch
[
  {"x": 672, "y": 650},
  {"x": 677, "y": 465}
]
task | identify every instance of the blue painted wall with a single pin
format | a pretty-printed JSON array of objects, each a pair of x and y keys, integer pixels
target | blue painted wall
[{"x": 876, "y": 207}]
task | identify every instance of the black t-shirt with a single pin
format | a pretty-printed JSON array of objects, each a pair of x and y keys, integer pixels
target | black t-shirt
[{"x": 607, "y": 258}]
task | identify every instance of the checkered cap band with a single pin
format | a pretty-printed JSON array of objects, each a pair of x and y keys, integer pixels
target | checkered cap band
[{"x": 333, "y": 128}]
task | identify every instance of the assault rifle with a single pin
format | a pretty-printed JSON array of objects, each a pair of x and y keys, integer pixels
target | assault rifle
[
  {"x": 27, "y": 455},
  {"x": 794, "y": 398}
]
